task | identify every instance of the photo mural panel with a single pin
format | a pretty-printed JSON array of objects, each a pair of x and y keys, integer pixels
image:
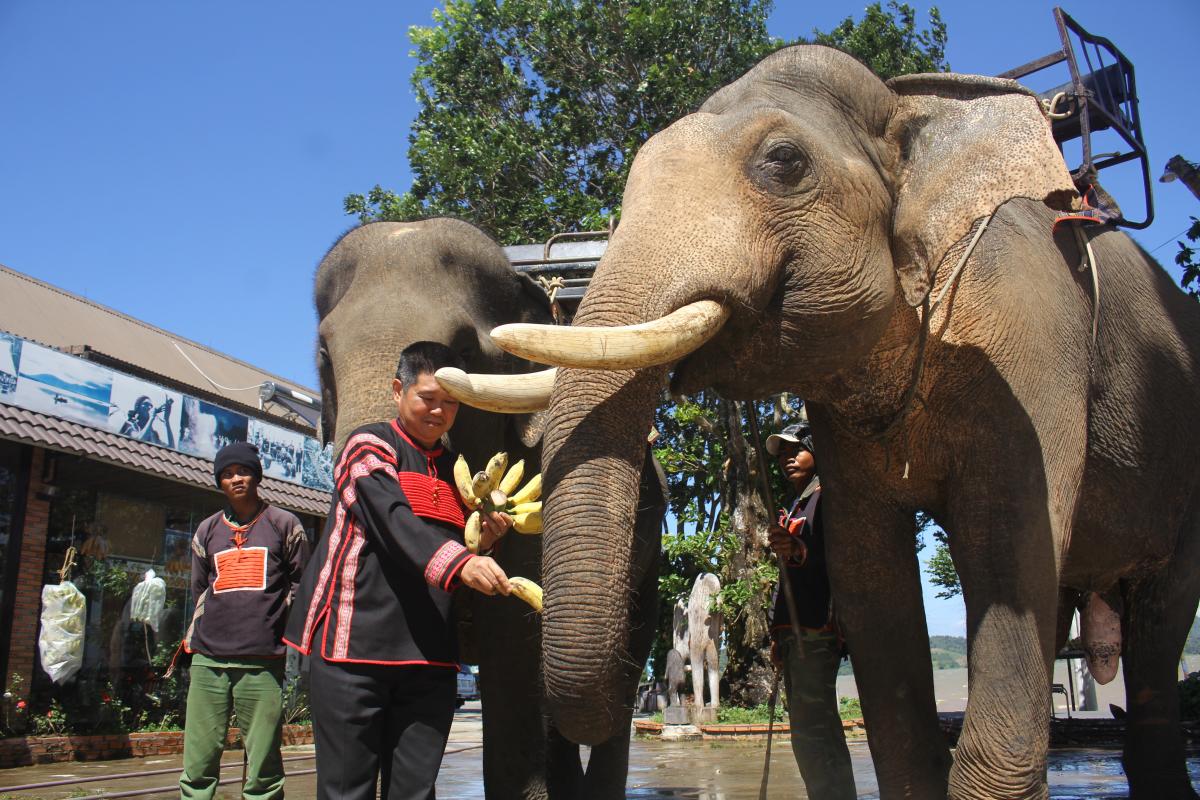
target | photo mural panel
[
  {"x": 281, "y": 451},
  {"x": 63, "y": 386},
  {"x": 145, "y": 411},
  {"x": 45, "y": 380},
  {"x": 10, "y": 357}
]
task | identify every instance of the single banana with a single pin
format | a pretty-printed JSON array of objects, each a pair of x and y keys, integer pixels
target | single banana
[
  {"x": 512, "y": 478},
  {"x": 530, "y": 492},
  {"x": 473, "y": 532},
  {"x": 495, "y": 471},
  {"x": 528, "y": 591},
  {"x": 529, "y": 522},
  {"x": 462, "y": 479},
  {"x": 479, "y": 485},
  {"x": 497, "y": 501},
  {"x": 525, "y": 508}
]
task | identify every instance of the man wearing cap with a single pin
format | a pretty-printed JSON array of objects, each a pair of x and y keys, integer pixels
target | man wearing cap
[
  {"x": 810, "y": 664},
  {"x": 246, "y": 563}
]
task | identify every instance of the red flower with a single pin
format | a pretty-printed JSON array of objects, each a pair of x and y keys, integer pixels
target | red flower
[
  {"x": 50, "y": 713},
  {"x": 105, "y": 698},
  {"x": 21, "y": 704}
]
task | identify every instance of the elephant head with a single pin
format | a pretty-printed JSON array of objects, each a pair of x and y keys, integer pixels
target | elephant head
[
  {"x": 778, "y": 239},
  {"x": 386, "y": 285}
]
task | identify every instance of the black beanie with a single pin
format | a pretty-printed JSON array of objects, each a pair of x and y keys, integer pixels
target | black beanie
[{"x": 242, "y": 453}]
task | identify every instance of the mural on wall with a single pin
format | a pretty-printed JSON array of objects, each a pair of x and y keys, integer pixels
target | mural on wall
[
  {"x": 63, "y": 386},
  {"x": 144, "y": 411},
  {"x": 10, "y": 356},
  {"x": 41, "y": 379},
  {"x": 280, "y": 450},
  {"x": 318, "y": 465},
  {"x": 206, "y": 428}
]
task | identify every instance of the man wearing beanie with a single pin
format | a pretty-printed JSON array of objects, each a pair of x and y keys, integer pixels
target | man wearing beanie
[
  {"x": 246, "y": 563},
  {"x": 810, "y": 664}
]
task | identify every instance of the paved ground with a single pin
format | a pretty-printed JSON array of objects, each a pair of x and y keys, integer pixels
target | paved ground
[{"x": 658, "y": 771}]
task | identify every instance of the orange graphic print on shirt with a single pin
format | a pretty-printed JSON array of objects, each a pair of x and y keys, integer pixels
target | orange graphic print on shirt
[{"x": 241, "y": 569}]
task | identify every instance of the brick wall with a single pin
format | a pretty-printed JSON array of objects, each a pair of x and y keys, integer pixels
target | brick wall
[{"x": 27, "y": 599}]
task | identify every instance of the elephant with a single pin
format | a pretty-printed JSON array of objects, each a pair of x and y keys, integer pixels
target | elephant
[
  {"x": 815, "y": 230},
  {"x": 381, "y": 287},
  {"x": 704, "y": 637}
]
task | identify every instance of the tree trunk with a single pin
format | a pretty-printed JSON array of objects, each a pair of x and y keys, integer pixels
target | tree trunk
[{"x": 748, "y": 672}]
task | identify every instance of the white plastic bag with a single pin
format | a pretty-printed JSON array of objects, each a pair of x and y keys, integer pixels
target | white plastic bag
[
  {"x": 149, "y": 601},
  {"x": 61, "y": 640}
]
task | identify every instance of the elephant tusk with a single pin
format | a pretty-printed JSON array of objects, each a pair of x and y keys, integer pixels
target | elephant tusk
[
  {"x": 522, "y": 393},
  {"x": 661, "y": 341}
]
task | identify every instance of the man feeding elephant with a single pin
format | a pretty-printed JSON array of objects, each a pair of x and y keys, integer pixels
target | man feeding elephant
[
  {"x": 375, "y": 601},
  {"x": 809, "y": 664}
]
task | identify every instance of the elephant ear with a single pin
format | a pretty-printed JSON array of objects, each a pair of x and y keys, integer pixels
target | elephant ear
[{"x": 968, "y": 145}]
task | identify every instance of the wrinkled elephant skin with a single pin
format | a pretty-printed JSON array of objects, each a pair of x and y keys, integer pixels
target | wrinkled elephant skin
[{"x": 822, "y": 207}]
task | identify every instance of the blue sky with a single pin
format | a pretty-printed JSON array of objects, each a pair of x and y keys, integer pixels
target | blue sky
[{"x": 185, "y": 163}]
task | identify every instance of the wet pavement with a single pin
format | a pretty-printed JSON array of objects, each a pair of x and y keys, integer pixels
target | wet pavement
[{"x": 658, "y": 771}]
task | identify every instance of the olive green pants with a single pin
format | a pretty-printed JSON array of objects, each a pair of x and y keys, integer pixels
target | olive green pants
[
  {"x": 256, "y": 695},
  {"x": 818, "y": 740}
]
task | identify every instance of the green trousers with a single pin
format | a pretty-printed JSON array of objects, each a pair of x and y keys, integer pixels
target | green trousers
[
  {"x": 818, "y": 740},
  {"x": 256, "y": 695}
]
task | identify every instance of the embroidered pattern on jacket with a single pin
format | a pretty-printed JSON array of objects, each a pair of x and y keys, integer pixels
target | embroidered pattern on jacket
[
  {"x": 241, "y": 569},
  {"x": 445, "y": 555},
  {"x": 431, "y": 498},
  {"x": 345, "y": 611}
]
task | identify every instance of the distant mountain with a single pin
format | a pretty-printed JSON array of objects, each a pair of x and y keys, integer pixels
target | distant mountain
[{"x": 947, "y": 652}]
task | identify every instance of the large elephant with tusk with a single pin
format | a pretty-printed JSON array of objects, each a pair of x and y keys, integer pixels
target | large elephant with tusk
[
  {"x": 385, "y": 285},
  {"x": 815, "y": 230}
]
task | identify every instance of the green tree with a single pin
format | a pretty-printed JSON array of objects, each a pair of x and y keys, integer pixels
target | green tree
[
  {"x": 1188, "y": 261},
  {"x": 889, "y": 42},
  {"x": 532, "y": 110}
]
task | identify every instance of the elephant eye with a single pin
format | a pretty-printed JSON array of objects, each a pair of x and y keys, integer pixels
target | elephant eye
[{"x": 784, "y": 161}]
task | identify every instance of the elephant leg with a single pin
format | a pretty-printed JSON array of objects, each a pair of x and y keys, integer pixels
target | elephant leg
[
  {"x": 1004, "y": 545},
  {"x": 710, "y": 664},
  {"x": 1160, "y": 610},
  {"x": 564, "y": 774},
  {"x": 607, "y": 769},
  {"x": 697, "y": 661},
  {"x": 514, "y": 741},
  {"x": 877, "y": 593}
]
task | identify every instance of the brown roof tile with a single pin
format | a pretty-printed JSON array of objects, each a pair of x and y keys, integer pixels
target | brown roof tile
[{"x": 59, "y": 434}]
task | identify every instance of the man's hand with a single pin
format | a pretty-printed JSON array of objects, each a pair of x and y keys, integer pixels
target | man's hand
[
  {"x": 494, "y": 525},
  {"x": 484, "y": 575},
  {"x": 786, "y": 545}
]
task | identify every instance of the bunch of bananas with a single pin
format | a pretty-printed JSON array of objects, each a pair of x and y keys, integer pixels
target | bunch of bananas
[{"x": 494, "y": 489}]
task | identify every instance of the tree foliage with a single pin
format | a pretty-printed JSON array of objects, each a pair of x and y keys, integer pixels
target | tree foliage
[
  {"x": 532, "y": 110},
  {"x": 1189, "y": 262},
  {"x": 889, "y": 42}
]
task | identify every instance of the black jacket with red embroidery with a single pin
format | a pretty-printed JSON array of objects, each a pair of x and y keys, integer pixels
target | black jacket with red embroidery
[
  {"x": 378, "y": 588},
  {"x": 243, "y": 579}
]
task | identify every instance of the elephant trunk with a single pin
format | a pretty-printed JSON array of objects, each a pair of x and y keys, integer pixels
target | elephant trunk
[{"x": 592, "y": 471}]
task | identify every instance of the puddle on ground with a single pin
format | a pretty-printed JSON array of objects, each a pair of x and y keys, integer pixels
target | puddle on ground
[{"x": 733, "y": 771}]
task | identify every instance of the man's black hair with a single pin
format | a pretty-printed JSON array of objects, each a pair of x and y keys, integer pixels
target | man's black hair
[{"x": 421, "y": 358}]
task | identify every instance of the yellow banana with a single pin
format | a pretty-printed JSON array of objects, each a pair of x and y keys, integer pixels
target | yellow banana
[
  {"x": 473, "y": 532},
  {"x": 512, "y": 478},
  {"x": 479, "y": 485},
  {"x": 525, "y": 508},
  {"x": 495, "y": 471},
  {"x": 530, "y": 492},
  {"x": 529, "y": 522},
  {"x": 528, "y": 591},
  {"x": 462, "y": 479}
]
